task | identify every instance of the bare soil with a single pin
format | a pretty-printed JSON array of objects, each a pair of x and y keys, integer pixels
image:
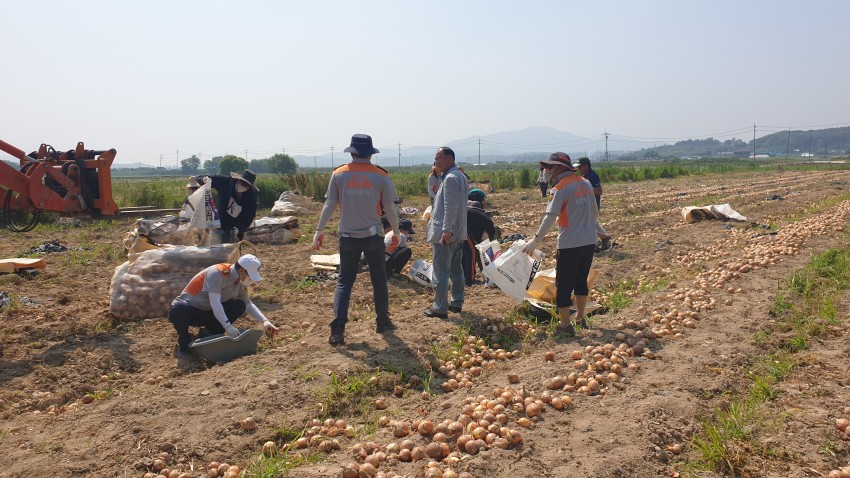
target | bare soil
[{"x": 60, "y": 345}]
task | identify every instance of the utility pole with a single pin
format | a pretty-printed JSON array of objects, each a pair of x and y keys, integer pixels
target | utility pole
[
  {"x": 246, "y": 155},
  {"x": 399, "y": 155},
  {"x": 332, "y": 157},
  {"x": 788, "y": 142},
  {"x": 754, "y": 142},
  {"x": 177, "y": 162},
  {"x": 606, "y": 147},
  {"x": 314, "y": 162},
  {"x": 160, "y": 161},
  {"x": 479, "y": 150}
]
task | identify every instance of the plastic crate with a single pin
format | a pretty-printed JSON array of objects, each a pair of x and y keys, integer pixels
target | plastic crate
[{"x": 221, "y": 347}]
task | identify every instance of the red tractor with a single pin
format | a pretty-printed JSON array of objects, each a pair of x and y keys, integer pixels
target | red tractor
[{"x": 77, "y": 181}]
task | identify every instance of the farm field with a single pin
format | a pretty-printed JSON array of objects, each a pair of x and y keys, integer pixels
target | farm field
[{"x": 704, "y": 364}]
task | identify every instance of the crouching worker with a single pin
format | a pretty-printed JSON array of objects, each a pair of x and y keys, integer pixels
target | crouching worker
[
  {"x": 214, "y": 299},
  {"x": 397, "y": 253}
]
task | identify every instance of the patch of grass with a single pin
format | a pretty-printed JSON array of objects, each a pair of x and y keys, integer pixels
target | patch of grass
[
  {"x": 830, "y": 448},
  {"x": 303, "y": 284},
  {"x": 443, "y": 350},
  {"x": 305, "y": 374},
  {"x": 716, "y": 442},
  {"x": 256, "y": 369},
  {"x": 761, "y": 337},
  {"x": 797, "y": 342},
  {"x": 101, "y": 394},
  {"x": 285, "y": 460},
  {"x": 617, "y": 300},
  {"x": 800, "y": 283},
  {"x": 286, "y": 434},
  {"x": 780, "y": 306},
  {"x": 280, "y": 465},
  {"x": 350, "y": 394},
  {"x": 113, "y": 323},
  {"x": 49, "y": 446},
  {"x": 762, "y": 389}
]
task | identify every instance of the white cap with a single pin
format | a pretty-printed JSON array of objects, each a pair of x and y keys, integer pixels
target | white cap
[{"x": 251, "y": 265}]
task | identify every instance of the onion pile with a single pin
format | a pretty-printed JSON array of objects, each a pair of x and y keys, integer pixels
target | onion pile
[{"x": 468, "y": 363}]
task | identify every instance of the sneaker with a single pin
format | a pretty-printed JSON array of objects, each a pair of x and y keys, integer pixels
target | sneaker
[
  {"x": 606, "y": 243},
  {"x": 454, "y": 308},
  {"x": 337, "y": 338},
  {"x": 385, "y": 327},
  {"x": 565, "y": 330},
  {"x": 181, "y": 353},
  {"x": 434, "y": 313}
]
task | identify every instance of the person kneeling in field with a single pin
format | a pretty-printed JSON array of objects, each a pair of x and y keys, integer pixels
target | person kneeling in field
[{"x": 214, "y": 299}]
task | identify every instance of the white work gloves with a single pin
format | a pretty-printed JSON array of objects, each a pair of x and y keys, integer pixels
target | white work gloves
[
  {"x": 530, "y": 246},
  {"x": 207, "y": 180},
  {"x": 318, "y": 240},
  {"x": 270, "y": 328},
  {"x": 231, "y": 331}
]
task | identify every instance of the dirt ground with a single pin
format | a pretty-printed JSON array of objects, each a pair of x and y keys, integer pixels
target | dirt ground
[{"x": 86, "y": 394}]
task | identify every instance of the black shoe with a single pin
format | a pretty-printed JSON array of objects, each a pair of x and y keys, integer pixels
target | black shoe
[
  {"x": 385, "y": 327},
  {"x": 337, "y": 339},
  {"x": 565, "y": 330},
  {"x": 455, "y": 309},
  {"x": 434, "y": 313},
  {"x": 584, "y": 324}
]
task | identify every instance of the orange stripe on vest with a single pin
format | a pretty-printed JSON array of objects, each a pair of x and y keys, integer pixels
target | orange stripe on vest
[
  {"x": 197, "y": 284},
  {"x": 563, "y": 217}
]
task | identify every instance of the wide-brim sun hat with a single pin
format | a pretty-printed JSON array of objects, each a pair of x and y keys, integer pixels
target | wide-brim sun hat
[
  {"x": 361, "y": 145},
  {"x": 247, "y": 176},
  {"x": 559, "y": 159},
  {"x": 193, "y": 183}
]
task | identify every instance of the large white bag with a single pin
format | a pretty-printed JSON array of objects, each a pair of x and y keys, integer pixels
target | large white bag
[
  {"x": 203, "y": 217},
  {"x": 420, "y": 272},
  {"x": 512, "y": 270}
]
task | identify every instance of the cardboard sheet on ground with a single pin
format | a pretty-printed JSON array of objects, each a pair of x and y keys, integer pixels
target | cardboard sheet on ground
[
  {"x": 8, "y": 266},
  {"x": 543, "y": 309},
  {"x": 511, "y": 270},
  {"x": 325, "y": 262},
  {"x": 543, "y": 287},
  {"x": 723, "y": 212}
]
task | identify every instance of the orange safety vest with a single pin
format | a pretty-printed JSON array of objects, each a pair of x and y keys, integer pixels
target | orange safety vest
[
  {"x": 196, "y": 285},
  {"x": 563, "y": 217},
  {"x": 362, "y": 181}
]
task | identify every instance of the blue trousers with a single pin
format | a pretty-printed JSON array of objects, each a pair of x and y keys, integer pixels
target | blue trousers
[
  {"x": 447, "y": 269},
  {"x": 350, "y": 250}
]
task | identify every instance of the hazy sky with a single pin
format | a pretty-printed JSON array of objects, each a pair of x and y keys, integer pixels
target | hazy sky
[{"x": 217, "y": 77}]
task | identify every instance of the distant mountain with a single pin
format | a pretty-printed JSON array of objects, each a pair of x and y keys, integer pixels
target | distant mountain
[
  {"x": 820, "y": 143},
  {"x": 526, "y": 145}
]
